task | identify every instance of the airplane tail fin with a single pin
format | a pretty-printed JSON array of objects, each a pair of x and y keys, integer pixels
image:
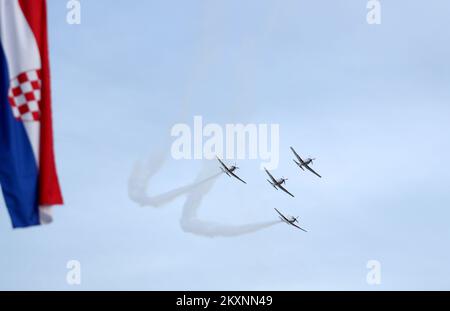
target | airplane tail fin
[
  {"x": 299, "y": 165},
  {"x": 271, "y": 184},
  {"x": 225, "y": 171}
]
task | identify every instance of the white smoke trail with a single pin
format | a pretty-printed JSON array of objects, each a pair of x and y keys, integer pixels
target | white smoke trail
[
  {"x": 141, "y": 175},
  {"x": 137, "y": 189},
  {"x": 144, "y": 171}
]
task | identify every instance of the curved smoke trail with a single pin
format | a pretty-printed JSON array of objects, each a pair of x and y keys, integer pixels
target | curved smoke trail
[
  {"x": 137, "y": 190},
  {"x": 144, "y": 171}
]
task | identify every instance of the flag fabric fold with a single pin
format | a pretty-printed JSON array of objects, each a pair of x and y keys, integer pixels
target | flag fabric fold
[{"x": 28, "y": 175}]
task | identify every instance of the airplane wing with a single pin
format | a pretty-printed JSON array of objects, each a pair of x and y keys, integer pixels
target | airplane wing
[
  {"x": 298, "y": 227},
  {"x": 282, "y": 188},
  {"x": 312, "y": 171},
  {"x": 282, "y": 216},
  {"x": 237, "y": 177},
  {"x": 271, "y": 177},
  {"x": 223, "y": 164},
  {"x": 297, "y": 156}
]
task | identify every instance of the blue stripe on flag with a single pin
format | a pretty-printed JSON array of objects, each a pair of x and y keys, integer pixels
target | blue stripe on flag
[{"x": 18, "y": 169}]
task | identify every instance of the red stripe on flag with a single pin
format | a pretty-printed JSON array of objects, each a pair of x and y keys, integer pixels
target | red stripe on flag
[{"x": 35, "y": 12}]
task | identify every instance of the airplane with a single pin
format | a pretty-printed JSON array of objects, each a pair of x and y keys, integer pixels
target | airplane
[
  {"x": 305, "y": 164},
  {"x": 278, "y": 184},
  {"x": 290, "y": 221},
  {"x": 230, "y": 170}
]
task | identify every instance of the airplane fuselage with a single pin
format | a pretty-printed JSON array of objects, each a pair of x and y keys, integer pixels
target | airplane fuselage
[
  {"x": 228, "y": 170},
  {"x": 307, "y": 161},
  {"x": 280, "y": 182},
  {"x": 293, "y": 220}
]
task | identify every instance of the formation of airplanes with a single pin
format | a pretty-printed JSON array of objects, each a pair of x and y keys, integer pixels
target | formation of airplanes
[{"x": 278, "y": 184}]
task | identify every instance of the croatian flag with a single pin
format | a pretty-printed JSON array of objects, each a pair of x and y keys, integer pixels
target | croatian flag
[{"x": 28, "y": 176}]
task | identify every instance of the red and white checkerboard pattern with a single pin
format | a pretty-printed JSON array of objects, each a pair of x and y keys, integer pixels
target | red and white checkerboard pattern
[{"x": 25, "y": 95}]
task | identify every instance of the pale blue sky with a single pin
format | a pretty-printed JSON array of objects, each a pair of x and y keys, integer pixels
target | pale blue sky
[{"x": 372, "y": 103}]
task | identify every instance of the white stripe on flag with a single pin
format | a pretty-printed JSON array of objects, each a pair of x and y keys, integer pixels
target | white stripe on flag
[{"x": 18, "y": 40}]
